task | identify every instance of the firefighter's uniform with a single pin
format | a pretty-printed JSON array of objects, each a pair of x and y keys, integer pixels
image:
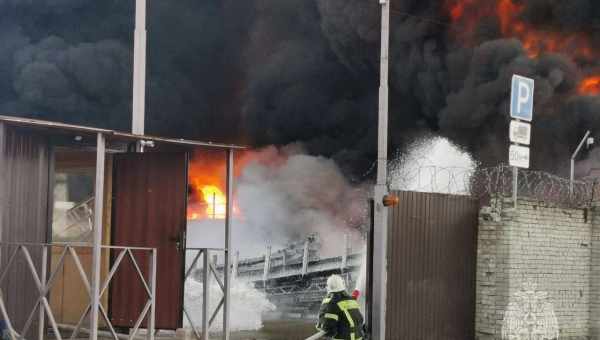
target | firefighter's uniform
[{"x": 340, "y": 317}]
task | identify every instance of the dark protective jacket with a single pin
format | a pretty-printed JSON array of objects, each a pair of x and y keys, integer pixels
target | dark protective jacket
[{"x": 340, "y": 317}]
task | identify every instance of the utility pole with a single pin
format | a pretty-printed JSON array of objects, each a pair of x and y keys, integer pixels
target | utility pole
[
  {"x": 139, "y": 70},
  {"x": 380, "y": 236},
  {"x": 587, "y": 140}
]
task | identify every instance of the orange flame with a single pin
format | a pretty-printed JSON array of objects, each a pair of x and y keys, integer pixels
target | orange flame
[
  {"x": 590, "y": 86},
  {"x": 469, "y": 13},
  {"x": 535, "y": 41},
  {"x": 206, "y": 177},
  {"x": 457, "y": 10},
  {"x": 217, "y": 201}
]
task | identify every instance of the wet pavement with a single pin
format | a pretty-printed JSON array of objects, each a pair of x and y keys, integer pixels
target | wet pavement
[{"x": 277, "y": 330}]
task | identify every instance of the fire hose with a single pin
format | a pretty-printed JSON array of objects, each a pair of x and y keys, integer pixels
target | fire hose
[{"x": 316, "y": 336}]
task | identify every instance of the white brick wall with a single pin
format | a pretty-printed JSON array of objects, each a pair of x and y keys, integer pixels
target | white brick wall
[
  {"x": 595, "y": 274},
  {"x": 550, "y": 246}
]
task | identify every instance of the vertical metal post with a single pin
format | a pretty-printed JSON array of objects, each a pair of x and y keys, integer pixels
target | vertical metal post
[
  {"x": 369, "y": 272},
  {"x": 214, "y": 202},
  {"x": 226, "y": 267},
  {"x": 267, "y": 267},
  {"x": 345, "y": 254},
  {"x": 305, "y": 258},
  {"x": 206, "y": 294},
  {"x": 380, "y": 233},
  {"x": 572, "y": 176},
  {"x": 152, "y": 282},
  {"x": 139, "y": 69},
  {"x": 515, "y": 185},
  {"x": 42, "y": 316},
  {"x": 236, "y": 264},
  {"x": 572, "y": 172},
  {"x": 284, "y": 260},
  {"x": 97, "y": 235}
]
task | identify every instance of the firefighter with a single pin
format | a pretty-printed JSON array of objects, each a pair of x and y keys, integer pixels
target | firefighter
[{"x": 340, "y": 316}]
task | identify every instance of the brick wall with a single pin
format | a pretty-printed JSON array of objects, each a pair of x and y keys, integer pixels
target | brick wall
[
  {"x": 544, "y": 244},
  {"x": 595, "y": 273}
]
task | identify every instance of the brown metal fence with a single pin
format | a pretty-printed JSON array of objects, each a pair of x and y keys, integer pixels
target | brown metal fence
[{"x": 432, "y": 263}]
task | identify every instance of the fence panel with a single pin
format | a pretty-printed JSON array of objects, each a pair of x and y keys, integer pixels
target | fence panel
[{"x": 432, "y": 264}]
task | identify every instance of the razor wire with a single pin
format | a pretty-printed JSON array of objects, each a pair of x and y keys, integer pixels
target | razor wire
[{"x": 496, "y": 181}]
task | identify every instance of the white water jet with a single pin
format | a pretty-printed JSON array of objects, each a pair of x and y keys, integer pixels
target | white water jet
[{"x": 432, "y": 165}]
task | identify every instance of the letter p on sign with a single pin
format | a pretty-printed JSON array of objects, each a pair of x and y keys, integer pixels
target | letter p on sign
[{"x": 521, "y": 98}]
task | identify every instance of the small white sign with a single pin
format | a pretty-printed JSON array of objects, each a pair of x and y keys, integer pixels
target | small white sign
[
  {"x": 518, "y": 156},
  {"x": 520, "y": 132},
  {"x": 521, "y": 98}
]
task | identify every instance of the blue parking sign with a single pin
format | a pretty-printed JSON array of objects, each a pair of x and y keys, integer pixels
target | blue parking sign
[{"x": 521, "y": 98}]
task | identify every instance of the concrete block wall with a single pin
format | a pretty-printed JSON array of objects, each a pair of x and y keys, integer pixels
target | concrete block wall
[
  {"x": 595, "y": 273},
  {"x": 543, "y": 244}
]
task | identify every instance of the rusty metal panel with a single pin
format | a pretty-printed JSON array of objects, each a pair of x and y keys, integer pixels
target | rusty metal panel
[
  {"x": 149, "y": 210},
  {"x": 432, "y": 264},
  {"x": 24, "y": 211}
]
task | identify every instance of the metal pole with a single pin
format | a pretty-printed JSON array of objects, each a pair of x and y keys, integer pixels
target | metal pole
[
  {"x": 380, "y": 233},
  {"x": 305, "y": 258},
  {"x": 139, "y": 69},
  {"x": 572, "y": 177},
  {"x": 284, "y": 258},
  {"x": 236, "y": 264},
  {"x": 346, "y": 251},
  {"x": 42, "y": 316},
  {"x": 152, "y": 282},
  {"x": 97, "y": 238},
  {"x": 226, "y": 269},
  {"x": 267, "y": 266},
  {"x": 515, "y": 186},
  {"x": 214, "y": 205},
  {"x": 369, "y": 277},
  {"x": 206, "y": 294}
]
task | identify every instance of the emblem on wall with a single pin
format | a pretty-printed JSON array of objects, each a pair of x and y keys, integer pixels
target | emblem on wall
[{"x": 529, "y": 316}]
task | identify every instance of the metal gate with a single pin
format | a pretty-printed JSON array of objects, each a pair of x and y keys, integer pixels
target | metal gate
[{"x": 432, "y": 266}]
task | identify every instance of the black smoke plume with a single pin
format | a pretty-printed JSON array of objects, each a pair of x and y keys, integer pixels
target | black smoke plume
[{"x": 278, "y": 71}]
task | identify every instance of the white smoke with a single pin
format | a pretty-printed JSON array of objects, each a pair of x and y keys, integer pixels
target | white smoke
[
  {"x": 284, "y": 195},
  {"x": 247, "y": 305},
  {"x": 301, "y": 195}
]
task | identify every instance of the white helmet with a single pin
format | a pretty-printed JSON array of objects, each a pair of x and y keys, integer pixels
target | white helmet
[{"x": 335, "y": 284}]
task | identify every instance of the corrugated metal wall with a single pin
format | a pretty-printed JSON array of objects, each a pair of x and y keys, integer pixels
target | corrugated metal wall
[
  {"x": 432, "y": 259},
  {"x": 24, "y": 173}
]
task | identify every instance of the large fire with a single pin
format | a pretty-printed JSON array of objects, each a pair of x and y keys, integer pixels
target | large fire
[
  {"x": 468, "y": 14},
  {"x": 213, "y": 201},
  {"x": 207, "y": 198}
]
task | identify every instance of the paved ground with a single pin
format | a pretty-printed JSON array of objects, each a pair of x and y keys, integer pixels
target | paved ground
[
  {"x": 276, "y": 330},
  {"x": 279, "y": 330},
  {"x": 272, "y": 330}
]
